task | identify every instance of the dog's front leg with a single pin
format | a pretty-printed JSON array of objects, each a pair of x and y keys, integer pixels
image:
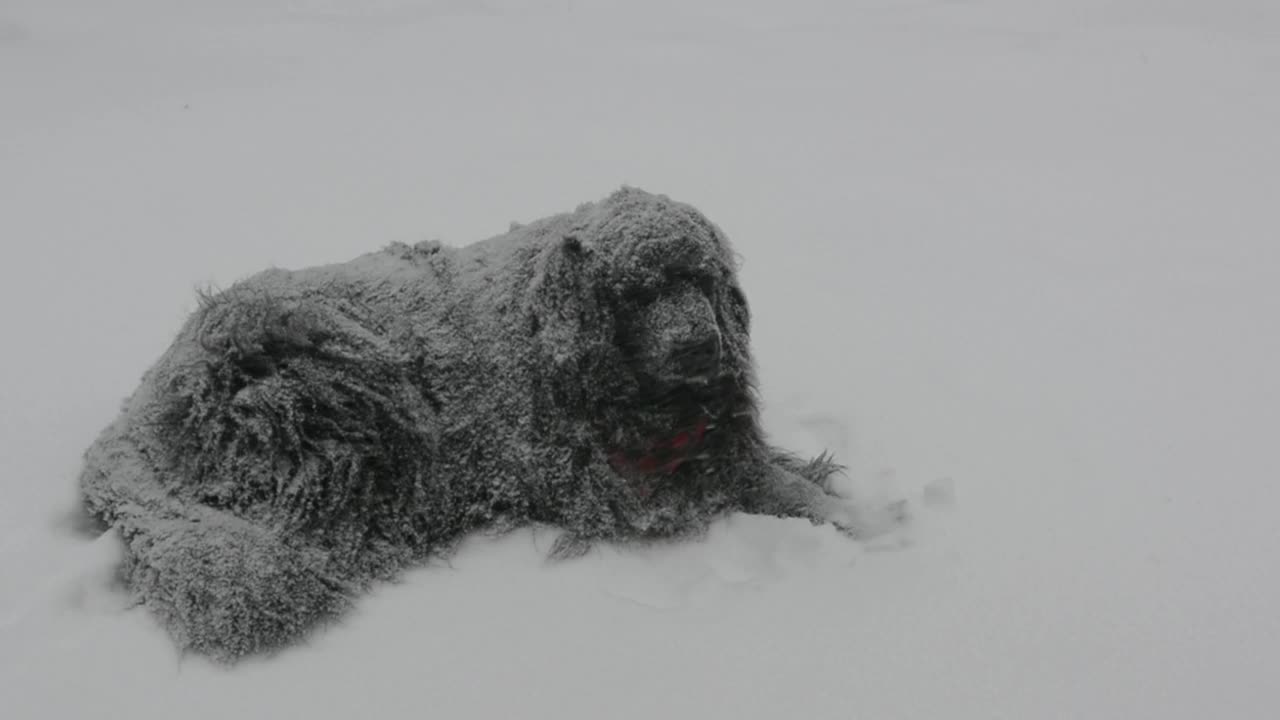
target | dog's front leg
[
  {"x": 783, "y": 493},
  {"x": 591, "y": 503}
]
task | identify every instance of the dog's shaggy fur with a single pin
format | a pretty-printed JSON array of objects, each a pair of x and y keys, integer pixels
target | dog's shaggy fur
[{"x": 310, "y": 432}]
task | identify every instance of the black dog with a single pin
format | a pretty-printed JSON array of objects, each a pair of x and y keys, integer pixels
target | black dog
[{"x": 312, "y": 431}]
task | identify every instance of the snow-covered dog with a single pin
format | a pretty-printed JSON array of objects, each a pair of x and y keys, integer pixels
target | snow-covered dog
[{"x": 312, "y": 431}]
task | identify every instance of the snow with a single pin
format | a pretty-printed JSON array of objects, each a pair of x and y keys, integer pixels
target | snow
[{"x": 1016, "y": 260}]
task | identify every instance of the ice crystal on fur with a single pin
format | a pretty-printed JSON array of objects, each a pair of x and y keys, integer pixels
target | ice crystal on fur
[{"x": 312, "y": 431}]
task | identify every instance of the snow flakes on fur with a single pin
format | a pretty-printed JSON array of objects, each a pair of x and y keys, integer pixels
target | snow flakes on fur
[{"x": 312, "y": 431}]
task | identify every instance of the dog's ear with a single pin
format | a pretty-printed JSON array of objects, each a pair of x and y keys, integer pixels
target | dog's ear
[{"x": 564, "y": 314}]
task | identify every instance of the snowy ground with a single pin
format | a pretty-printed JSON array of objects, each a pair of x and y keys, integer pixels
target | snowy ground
[{"x": 1025, "y": 249}]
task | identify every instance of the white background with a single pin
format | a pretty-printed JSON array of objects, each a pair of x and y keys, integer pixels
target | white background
[{"x": 1023, "y": 253}]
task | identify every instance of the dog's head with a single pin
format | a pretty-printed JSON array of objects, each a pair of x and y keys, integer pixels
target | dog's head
[{"x": 641, "y": 323}]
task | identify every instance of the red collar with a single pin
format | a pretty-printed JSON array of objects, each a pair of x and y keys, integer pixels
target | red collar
[{"x": 662, "y": 457}]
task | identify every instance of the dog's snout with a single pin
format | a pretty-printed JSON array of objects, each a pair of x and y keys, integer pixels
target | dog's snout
[
  {"x": 679, "y": 337},
  {"x": 699, "y": 358}
]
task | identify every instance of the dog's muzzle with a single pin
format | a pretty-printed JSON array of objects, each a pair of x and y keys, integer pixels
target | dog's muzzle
[{"x": 698, "y": 360}]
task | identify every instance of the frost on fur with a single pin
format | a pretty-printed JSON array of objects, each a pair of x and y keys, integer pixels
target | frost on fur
[
  {"x": 299, "y": 411},
  {"x": 312, "y": 431}
]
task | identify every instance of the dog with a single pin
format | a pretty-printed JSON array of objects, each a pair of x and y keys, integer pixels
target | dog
[{"x": 311, "y": 432}]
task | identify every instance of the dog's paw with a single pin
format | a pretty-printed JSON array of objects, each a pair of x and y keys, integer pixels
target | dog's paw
[
  {"x": 227, "y": 588},
  {"x": 862, "y": 522}
]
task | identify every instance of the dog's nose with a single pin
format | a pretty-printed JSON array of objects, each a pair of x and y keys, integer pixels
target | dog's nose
[{"x": 700, "y": 358}]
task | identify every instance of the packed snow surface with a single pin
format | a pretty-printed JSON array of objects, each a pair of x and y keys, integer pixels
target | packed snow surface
[{"x": 1015, "y": 260}]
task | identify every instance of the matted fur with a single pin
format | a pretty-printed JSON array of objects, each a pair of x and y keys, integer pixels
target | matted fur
[{"x": 312, "y": 431}]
